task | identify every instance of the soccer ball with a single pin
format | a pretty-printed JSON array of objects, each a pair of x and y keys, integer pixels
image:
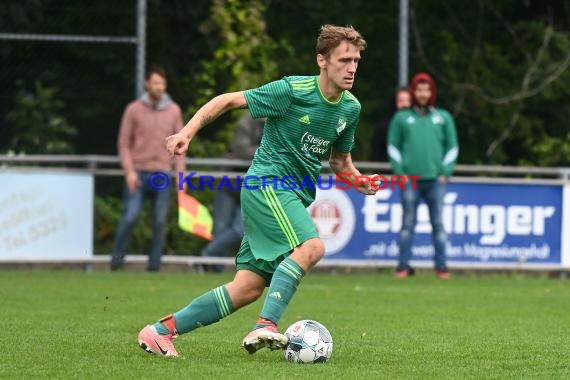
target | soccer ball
[{"x": 309, "y": 342}]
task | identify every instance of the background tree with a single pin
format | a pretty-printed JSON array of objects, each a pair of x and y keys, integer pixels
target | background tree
[
  {"x": 37, "y": 125},
  {"x": 502, "y": 68},
  {"x": 243, "y": 56}
]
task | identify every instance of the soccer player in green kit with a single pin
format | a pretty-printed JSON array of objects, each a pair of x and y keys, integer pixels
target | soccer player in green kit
[{"x": 309, "y": 118}]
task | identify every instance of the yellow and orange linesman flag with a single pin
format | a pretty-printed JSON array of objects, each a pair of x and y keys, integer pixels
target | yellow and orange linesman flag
[{"x": 193, "y": 216}]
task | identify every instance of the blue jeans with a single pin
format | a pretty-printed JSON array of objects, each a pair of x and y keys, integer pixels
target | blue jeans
[
  {"x": 432, "y": 191},
  {"x": 133, "y": 203},
  {"x": 228, "y": 227}
]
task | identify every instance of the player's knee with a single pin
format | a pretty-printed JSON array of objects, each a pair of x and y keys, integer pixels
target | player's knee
[
  {"x": 314, "y": 250},
  {"x": 251, "y": 293},
  {"x": 255, "y": 293},
  {"x": 243, "y": 294}
]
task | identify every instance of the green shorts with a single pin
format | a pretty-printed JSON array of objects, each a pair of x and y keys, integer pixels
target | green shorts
[{"x": 275, "y": 222}]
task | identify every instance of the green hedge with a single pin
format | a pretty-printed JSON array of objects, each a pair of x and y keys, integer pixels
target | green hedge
[{"x": 108, "y": 210}]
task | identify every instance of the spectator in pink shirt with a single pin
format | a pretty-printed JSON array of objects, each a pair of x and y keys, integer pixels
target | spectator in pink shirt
[{"x": 145, "y": 125}]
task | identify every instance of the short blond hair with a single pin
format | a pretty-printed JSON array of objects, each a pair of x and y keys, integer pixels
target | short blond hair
[{"x": 330, "y": 36}]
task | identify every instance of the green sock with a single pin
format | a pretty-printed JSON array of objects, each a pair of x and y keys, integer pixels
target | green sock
[
  {"x": 209, "y": 308},
  {"x": 281, "y": 290}
]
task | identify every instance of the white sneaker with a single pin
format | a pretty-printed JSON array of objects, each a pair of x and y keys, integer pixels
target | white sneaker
[{"x": 264, "y": 337}]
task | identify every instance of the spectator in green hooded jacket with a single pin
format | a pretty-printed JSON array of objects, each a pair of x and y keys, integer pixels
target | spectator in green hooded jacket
[{"x": 422, "y": 141}]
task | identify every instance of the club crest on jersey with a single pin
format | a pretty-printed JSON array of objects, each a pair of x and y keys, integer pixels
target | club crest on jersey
[
  {"x": 436, "y": 119},
  {"x": 341, "y": 125}
]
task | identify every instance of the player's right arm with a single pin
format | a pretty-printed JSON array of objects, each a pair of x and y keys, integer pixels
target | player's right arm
[
  {"x": 178, "y": 143},
  {"x": 270, "y": 100}
]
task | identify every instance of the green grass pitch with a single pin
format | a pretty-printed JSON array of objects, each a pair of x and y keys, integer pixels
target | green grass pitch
[{"x": 65, "y": 324}]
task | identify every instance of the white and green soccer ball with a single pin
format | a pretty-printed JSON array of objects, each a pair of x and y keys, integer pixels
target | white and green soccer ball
[{"x": 309, "y": 342}]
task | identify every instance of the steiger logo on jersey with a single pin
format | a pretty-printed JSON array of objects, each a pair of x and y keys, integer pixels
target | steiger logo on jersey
[{"x": 313, "y": 144}]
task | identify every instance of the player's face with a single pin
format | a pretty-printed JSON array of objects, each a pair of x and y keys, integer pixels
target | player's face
[
  {"x": 423, "y": 94},
  {"x": 403, "y": 100},
  {"x": 156, "y": 86},
  {"x": 341, "y": 65}
]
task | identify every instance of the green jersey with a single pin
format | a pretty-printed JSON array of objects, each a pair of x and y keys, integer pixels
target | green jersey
[
  {"x": 301, "y": 128},
  {"x": 424, "y": 145}
]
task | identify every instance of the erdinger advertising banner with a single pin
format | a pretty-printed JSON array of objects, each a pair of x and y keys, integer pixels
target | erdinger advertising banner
[
  {"x": 46, "y": 216},
  {"x": 486, "y": 223}
]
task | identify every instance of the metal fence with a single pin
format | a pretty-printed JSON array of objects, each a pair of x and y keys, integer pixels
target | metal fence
[{"x": 106, "y": 165}]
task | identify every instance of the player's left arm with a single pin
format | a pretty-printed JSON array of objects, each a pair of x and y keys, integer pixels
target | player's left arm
[{"x": 341, "y": 163}]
